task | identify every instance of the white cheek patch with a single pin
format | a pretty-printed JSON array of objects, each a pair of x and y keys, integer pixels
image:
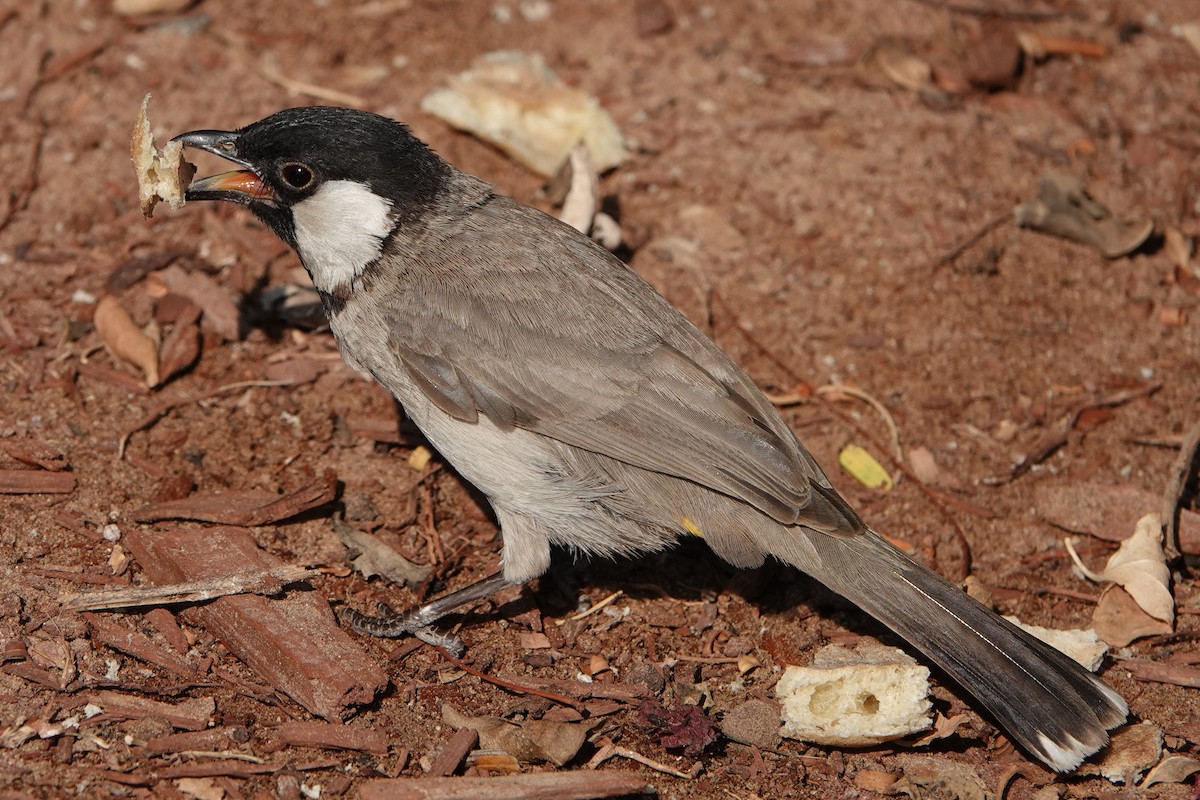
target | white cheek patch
[{"x": 339, "y": 231}]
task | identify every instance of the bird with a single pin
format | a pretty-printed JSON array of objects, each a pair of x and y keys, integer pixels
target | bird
[{"x": 589, "y": 411}]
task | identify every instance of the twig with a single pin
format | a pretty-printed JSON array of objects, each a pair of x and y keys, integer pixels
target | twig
[
  {"x": 1181, "y": 474},
  {"x": 588, "y": 612},
  {"x": 269, "y": 69},
  {"x": 1057, "y": 437},
  {"x": 880, "y": 408},
  {"x": 953, "y": 253},
  {"x": 230, "y": 754},
  {"x": 505, "y": 684},
  {"x": 608, "y": 750},
  {"x": 750, "y": 337},
  {"x": 269, "y": 583},
  {"x": 991, "y": 11},
  {"x": 169, "y": 405},
  {"x": 1083, "y": 597}
]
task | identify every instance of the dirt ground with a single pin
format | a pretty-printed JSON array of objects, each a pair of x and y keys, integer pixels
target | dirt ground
[{"x": 795, "y": 198}]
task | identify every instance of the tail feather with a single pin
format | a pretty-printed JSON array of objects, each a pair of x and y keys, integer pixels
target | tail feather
[{"x": 1043, "y": 699}]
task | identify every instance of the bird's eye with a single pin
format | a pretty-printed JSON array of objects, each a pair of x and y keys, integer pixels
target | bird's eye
[{"x": 296, "y": 175}]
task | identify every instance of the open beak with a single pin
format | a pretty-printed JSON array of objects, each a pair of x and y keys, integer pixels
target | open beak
[{"x": 237, "y": 186}]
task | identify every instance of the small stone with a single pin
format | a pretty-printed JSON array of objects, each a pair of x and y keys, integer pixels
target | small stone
[{"x": 755, "y": 722}]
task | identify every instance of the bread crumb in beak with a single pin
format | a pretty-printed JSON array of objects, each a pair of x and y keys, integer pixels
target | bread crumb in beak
[{"x": 162, "y": 174}]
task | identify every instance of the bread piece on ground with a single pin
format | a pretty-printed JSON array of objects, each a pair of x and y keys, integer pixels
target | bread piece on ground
[{"x": 855, "y": 698}]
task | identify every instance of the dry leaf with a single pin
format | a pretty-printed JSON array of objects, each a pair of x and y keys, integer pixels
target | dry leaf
[
  {"x": 863, "y": 467},
  {"x": 200, "y": 788},
  {"x": 1140, "y": 567},
  {"x": 943, "y": 727},
  {"x": 375, "y": 557},
  {"x": 902, "y": 67},
  {"x": 182, "y": 346},
  {"x": 1119, "y": 620},
  {"x": 1172, "y": 769},
  {"x": 934, "y": 776},
  {"x": 125, "y": 340},
  {"x": 1178, "y": 247},
  {"x": 532, "y": 740},
  {"x": 1131, "y": 751}
]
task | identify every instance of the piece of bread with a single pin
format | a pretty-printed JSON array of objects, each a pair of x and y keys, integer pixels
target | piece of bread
[
  {"x": 855, "y": 698},
  {"x": 162, "y": 174}
]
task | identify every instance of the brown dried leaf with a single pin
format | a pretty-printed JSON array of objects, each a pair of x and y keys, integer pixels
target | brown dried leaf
[
  {"x": 1178, "y": 247},
  {"x": 1140, "y": 567},
  {"x": 297, "y": 371},
  {"x": 923, "y": 465},
  {"x": 220, "y": 312},
  {"x": 1172, "y": 769},
  {"x": 902, "y": 67},
  {"x": 1064, "y": 208},
  {"x": 1119, "y": 620},
  {"x": 531, "y": 741},
  {"x": 375, "y": 557},
  {"x": 181, "y": 348},
  {"x": 125, "y": 340}
]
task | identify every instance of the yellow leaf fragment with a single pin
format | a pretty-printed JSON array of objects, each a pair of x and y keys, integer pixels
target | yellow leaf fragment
[
  {"x": 1140, "y": 567},
  {"x": 419, "y": 458},
  {"x": 863, "y": 467}
]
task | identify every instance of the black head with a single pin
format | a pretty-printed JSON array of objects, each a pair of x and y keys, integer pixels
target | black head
[{"x": 291, "y": 154}]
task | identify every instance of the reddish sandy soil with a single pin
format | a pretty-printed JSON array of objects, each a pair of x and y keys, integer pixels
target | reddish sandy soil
[{"x": 807, "y": 214}]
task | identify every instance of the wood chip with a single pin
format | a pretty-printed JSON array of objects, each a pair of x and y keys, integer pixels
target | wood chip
[
  {"x": 327, "y": 734},
  {"x": 293, "y": 642},
  {"x": 35, "y": 481},
  {"x": 588, "y": 785},
  {"x": 210, "y": 740},
  {"x": 266, "y": 582},
  {"x": 193, "y": 714},
  {"x": 35, "y": 454},
  {"x": 134, "y": 643},
  {"x": 1159, "y": 672},
  {"x": 247, "y": 508},
  {"x": 451, "y": 756}
]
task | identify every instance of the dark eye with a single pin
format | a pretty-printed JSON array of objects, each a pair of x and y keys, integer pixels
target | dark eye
[{"x": 296, "y": 176}]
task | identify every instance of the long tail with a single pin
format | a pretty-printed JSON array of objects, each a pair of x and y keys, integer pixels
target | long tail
[{"x": 1047, "y": 702}]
